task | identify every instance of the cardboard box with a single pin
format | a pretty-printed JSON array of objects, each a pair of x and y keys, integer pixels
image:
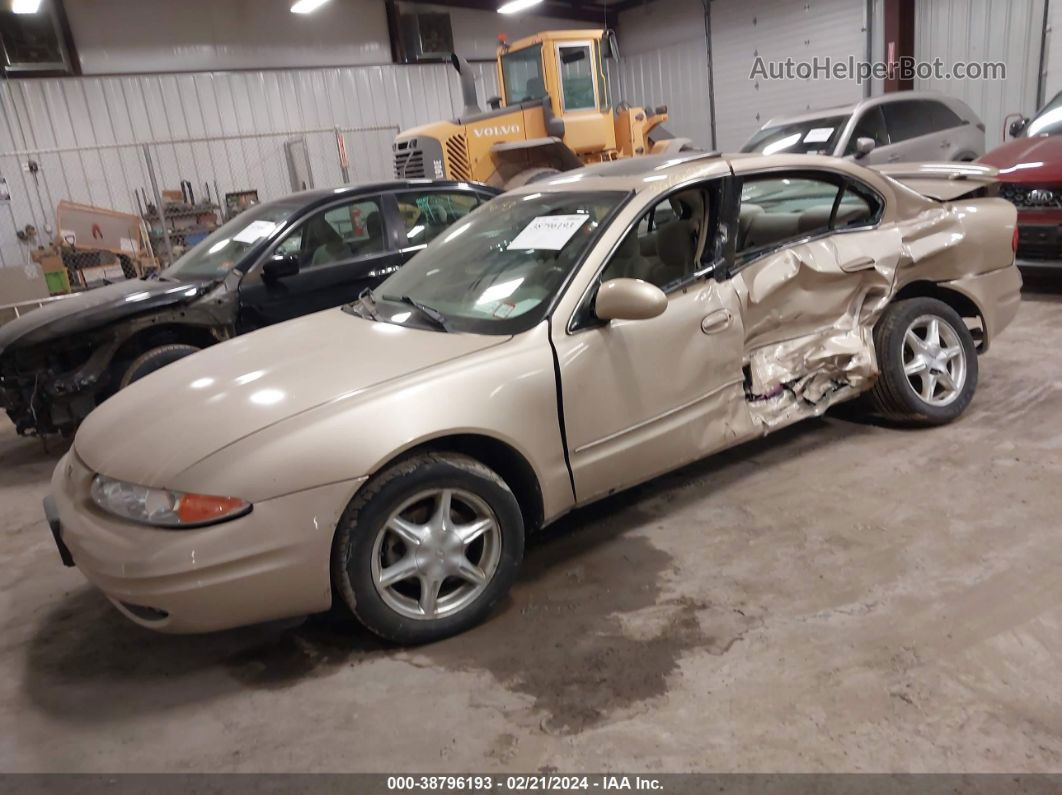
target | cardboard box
[{"x": 20, "y": 284}]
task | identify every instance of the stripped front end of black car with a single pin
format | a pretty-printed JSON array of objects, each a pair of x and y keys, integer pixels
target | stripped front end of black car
[{"x": 50, "y": 388}]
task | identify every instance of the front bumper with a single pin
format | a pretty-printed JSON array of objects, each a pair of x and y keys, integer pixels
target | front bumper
[{"x": 271, "y": 563}]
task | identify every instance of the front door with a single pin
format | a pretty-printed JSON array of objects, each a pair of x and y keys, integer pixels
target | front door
[
  {"x": 341, "y": 250},
  {"x": 642, "y": 397}
]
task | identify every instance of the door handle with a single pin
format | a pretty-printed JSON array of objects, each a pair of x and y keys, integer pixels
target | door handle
[
  {"x": 716, "y": 322},
  {"x": 894, "y": 158}
]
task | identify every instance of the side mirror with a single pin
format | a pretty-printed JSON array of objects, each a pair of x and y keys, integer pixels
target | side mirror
[
  {"x": 864, "y": 146},
  {"x": 629, "y": 299},
  {"x": 1017, "y": 127},
  {"x": 279, "y": 266}
]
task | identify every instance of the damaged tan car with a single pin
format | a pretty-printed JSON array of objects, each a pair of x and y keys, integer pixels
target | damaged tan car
[{"x": 563, "y": 342}]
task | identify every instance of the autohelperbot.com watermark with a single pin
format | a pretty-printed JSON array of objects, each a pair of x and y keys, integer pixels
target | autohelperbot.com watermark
[{"x": 850, "y": 68}]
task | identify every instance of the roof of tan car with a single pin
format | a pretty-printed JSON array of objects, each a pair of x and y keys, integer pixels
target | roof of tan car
[{"x": 659, "y": 172}]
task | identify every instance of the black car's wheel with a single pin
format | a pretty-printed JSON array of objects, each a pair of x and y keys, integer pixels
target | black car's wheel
[
  {"x": 928, "y": 363},
  {"x": 427, "y": 548},
  {"x": 154, "y": 359}
]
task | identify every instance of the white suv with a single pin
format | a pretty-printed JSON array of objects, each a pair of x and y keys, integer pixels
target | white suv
[{"x": 906, "y": 126}]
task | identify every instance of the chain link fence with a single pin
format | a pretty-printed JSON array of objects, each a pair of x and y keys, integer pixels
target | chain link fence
[{"x": 180, "y": 189}]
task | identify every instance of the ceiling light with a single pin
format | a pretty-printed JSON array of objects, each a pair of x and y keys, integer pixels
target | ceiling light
[
  {"x": 25, "y": 6},
  {"x": 516, "y": 6},
  {"x": 307, "y": 6}
]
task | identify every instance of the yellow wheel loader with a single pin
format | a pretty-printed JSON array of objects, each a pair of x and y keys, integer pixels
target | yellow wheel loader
[{"x": 555, "y": 114}]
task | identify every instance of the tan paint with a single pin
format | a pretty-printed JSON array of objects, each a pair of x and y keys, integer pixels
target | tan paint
[
  {"x": 629, "y": 299},
  {"x": 296, "y": 417}
]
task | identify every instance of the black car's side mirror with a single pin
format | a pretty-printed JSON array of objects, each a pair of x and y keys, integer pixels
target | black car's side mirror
[
  {"x": 1017, "y": 127},
  {"x": 279, "y": 266}
]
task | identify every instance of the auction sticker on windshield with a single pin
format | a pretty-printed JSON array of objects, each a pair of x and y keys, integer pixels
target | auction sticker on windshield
[
  {"x": 819, "y": 135},
  {"x": 549, "y": 232},
  {"x": 254, "y": 231}
]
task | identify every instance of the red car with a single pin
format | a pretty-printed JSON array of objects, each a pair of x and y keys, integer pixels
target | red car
[{"x": 1030, "y": 174}]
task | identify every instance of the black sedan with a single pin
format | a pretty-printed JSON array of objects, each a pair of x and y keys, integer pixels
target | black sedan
[{"x": 276, "y": 261}]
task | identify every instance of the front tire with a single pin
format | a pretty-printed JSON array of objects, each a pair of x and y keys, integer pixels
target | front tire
[
  {"x": 427, "y": 548},
  {"x": 154, "y": 359},
  {"x": 928, "y": 363}
]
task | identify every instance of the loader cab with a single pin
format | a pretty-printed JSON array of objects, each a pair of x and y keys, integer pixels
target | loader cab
[{"x": 569, "y": 68}]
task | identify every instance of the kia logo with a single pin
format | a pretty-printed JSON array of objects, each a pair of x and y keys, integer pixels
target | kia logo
[{"x": 1041, "y": 196}]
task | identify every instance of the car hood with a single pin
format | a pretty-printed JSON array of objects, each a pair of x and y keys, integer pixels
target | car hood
[
  {"x": 1028, "y": 160},
  {"x": 159, "y": 426},
  {"x": 82, "y": 312}
]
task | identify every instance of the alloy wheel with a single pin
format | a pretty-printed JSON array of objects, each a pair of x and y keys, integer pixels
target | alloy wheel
[
  {"x": 436, "y": 553},
  {"x": 934, "y": 360}
]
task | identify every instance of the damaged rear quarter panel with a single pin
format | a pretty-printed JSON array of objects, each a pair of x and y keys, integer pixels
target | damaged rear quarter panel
[{"x": 810, "y": 309}]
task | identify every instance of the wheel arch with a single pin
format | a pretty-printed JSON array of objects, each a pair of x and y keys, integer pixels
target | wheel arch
[
  {"x": 510, "y": 464},
  {"x": 962, "y": 303},
  {"x": 151, "y": 336}
]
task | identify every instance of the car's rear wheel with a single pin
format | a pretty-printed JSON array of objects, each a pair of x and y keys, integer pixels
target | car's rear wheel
[
  {"x": 154, "y": 359},
  {"x": 427, "y": 548},
  {"x": 928, "y": 363}
]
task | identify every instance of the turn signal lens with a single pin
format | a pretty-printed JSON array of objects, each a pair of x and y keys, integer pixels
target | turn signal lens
[
  {"x": 200, "y": 508},
  {"x": 163, "y": 507}
]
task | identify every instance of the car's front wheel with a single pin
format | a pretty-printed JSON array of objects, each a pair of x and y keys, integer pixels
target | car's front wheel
[
  {"x": 427, "y": 548},
  {"x": 928, "y": 362},
  {"x": 154, "y": 359}
]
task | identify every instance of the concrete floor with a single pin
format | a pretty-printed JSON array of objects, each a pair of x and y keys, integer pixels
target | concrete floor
[{"x": 839, "y": 597}]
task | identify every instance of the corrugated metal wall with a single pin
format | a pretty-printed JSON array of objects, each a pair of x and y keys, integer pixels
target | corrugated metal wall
[
  {"x": 984, "y": 30},
  {"x": 665, "y": 61},
  {"x": 86, "y": 134},
  {"x": 776, "y": 30}
]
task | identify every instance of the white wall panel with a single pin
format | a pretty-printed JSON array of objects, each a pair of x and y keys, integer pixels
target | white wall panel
[
  {"x": 776, "y": 30},
  {"x": 227, "y": 128},
  {"x": 984, "y": 30},
  {"x": 1053, "y": 59},
  {"x": 664, "y": 61},
  {"x": 130, "y": 36}
]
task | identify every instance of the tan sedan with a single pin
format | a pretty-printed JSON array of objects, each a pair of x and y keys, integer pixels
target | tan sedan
[{"x": 563, "y": 342}]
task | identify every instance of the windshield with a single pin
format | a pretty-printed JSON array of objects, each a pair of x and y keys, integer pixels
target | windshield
[
  {"x": 522, "y": 73},
  {"x": 497, "y": 271},
  {"x": 812, "y": 137},
  {"x": 224, "y": 248},
  {"x": 1048, "y": 121}
]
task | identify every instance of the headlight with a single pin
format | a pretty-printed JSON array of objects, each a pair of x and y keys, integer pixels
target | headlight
[{"x": 162, "y": 507}]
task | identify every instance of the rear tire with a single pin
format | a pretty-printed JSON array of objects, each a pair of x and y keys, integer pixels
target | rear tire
[
  {"x": 402, "y": 560},
  {"x": 928, "y": 363},
  {"x": 154, "y": 359}
]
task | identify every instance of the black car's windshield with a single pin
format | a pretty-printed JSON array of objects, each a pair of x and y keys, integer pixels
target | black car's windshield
[
  {"x": 813, "y": 137},
  {"x": 223, "y": 249},
  {"x": 497, "y": 271},
  {"x": 1048, "y": 121}
]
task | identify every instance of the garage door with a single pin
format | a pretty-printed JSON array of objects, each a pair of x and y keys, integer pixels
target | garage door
[
  {"x": 1007, "y": 31},
  {"x": 776, "y": 30}
]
